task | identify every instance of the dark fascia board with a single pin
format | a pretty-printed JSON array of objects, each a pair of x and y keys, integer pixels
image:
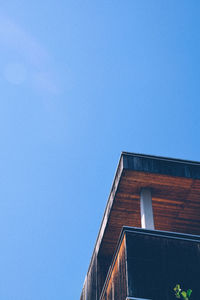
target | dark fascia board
[{"x": 161, "y": 165}]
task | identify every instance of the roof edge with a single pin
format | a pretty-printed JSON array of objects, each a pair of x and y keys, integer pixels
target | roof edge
[
  {"x": 158, "y": 157},
  {"x": 161, "y": 165}
]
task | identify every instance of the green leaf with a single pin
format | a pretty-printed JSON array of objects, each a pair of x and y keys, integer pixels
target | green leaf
[
  {"x": 184, "y": 294},
  {"x": 189, "y": 292},
  {"x": 177, "y": 288},
  {"x": 180, "y": 294}
]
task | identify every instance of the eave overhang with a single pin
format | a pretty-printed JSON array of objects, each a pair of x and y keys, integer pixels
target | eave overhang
[{"x": 175, "y": 186}]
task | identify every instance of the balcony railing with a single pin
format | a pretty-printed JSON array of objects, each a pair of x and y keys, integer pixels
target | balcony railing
[{"x": 148, "y": 264}]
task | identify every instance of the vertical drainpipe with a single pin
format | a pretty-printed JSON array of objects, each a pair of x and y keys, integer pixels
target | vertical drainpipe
[{"x": 146, "y": 209}]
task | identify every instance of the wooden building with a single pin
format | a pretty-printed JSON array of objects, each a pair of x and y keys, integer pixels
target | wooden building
[{"x": 149, "y": 238}]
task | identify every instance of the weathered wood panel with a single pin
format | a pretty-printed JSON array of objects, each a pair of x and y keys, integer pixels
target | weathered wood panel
[
  {"x": 176, "y": 205},
  {"x": 103, "y": 264},
  {"x": 116, "y": 286},
  {"x": 89, "y": 291}
]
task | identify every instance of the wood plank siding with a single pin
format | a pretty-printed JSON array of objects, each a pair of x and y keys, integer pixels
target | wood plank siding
[
  {"x": 175, "y": 190},
  {"x": 116, "y": 283}
]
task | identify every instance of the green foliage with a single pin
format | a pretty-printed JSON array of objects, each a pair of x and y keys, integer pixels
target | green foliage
[{"x": 180, "y": 294}]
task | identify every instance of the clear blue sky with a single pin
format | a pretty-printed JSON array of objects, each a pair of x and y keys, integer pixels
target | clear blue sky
[{"x": 81, "y": 81}]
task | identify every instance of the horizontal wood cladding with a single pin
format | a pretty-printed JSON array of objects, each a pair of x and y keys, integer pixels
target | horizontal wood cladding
[
  {"x": 176, "y": 200},
  {"x": 176, "y": 205}
]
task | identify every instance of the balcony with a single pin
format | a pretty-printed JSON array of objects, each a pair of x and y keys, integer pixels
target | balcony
[{"x": 148, "y": 264}]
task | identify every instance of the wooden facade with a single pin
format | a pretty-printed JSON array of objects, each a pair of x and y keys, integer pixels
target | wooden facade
[
  {"x": 175, "y": 189},
  {"x": 116, "y": 283}
]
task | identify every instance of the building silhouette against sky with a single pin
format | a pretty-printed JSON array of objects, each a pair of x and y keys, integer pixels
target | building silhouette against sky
[{"x": 149, "y": 238}]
